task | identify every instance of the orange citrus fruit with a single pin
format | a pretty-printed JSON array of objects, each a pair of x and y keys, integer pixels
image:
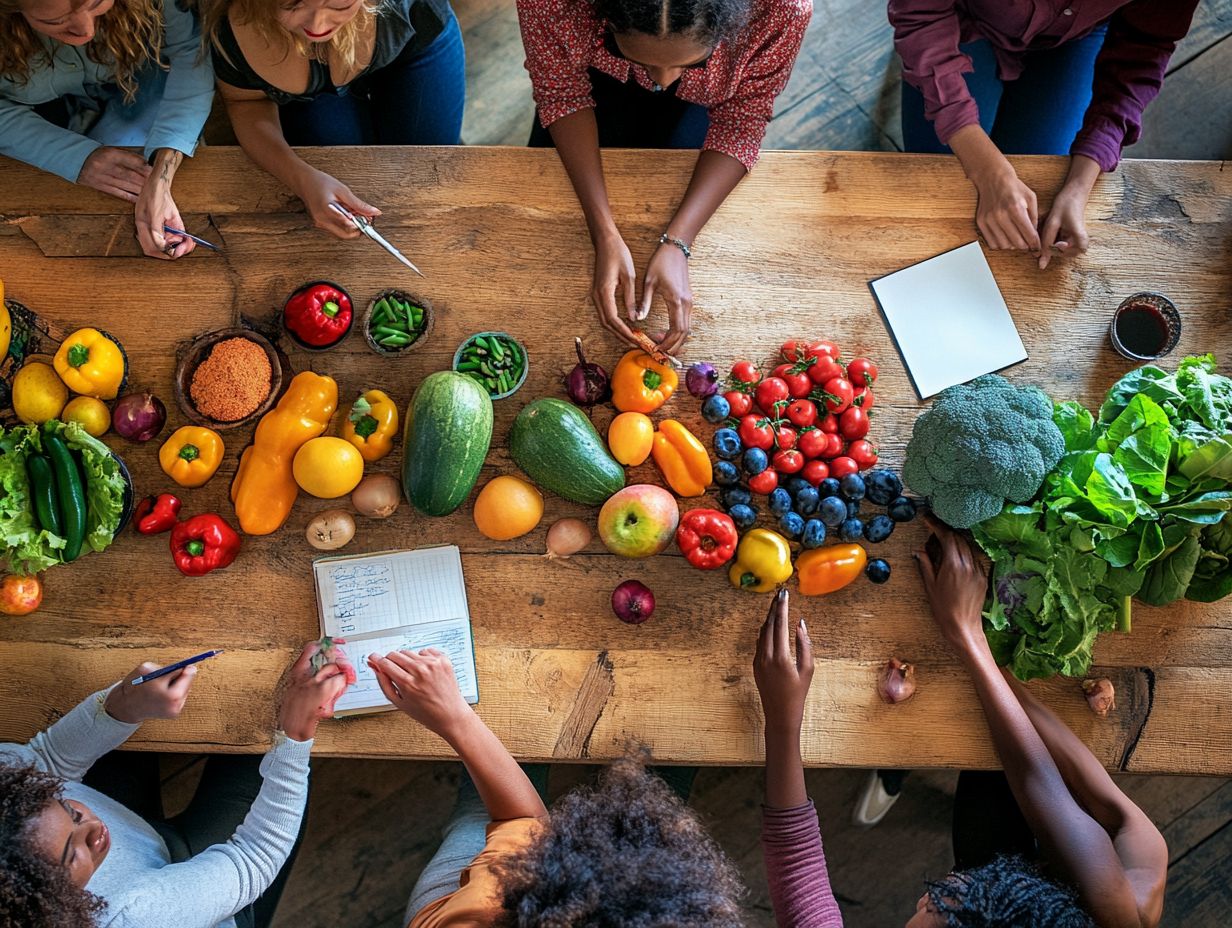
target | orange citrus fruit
[{"x": 507, "y": 507}]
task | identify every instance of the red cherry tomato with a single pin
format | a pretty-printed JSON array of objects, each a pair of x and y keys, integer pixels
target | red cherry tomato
[
  {"x": 815, "y": 472},
  {"x": 840, "y": 467},
  {"x": 829, "y": 423},
  {"x": 802, "y": 413},
  {"x": 825, "y": 368},
  {"x": 765, "y": 482},
  {"x": 834, "y": 446},
  {"x": 741, "y": 403},
  {"x": 798, "y": 383},
  {"x": 839, "y": 394},
  {"x": 792, "y": 350},
  {"x": 770, "y": 391},
  {"x": 784, "y": 436},
  {"x": 862, "y": 372},
  {"x": 812, "y": 442},
  {"x": 853, "y": 423},
  {"x": 864, "y": 398},
  {"x": 818, "y": 349},
  {"x": 787, "y": 462},
  {"x": 745, "y": 372},
  {"x": 755, "y": 432},
  {"x": 863, "y": 453}
]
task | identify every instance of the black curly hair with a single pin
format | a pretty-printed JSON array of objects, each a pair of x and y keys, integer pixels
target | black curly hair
[
  {"x": 624, "y": 854},
  {"x": 1007, "y": 893},
  {"x": 34, "y": 891},
  {"x": 705, "y": 21}
]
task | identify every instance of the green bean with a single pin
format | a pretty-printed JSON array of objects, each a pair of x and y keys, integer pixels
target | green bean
[
  {"x": 497, "y": 350},
  {"x": 387, "y": 330},
  {"x": 504, "y": 383},
  {"x": 466, "y": 366},
  {"x": 515, "y": 351},
  {"x": 395, "y": 341}
]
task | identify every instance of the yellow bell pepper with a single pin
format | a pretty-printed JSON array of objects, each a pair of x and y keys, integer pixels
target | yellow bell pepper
[
  {"x": 682, "y": 459},
  {"x": 372, "y": 425},
  {"x": 264, "y": 488},
  {"x": 824, "y": 570},
  {"x": 642, "y": 384},
  {"x": 191, "y": 455},
  {"x": 763, "y": 561},
  {"x": 91, "y": 364}
]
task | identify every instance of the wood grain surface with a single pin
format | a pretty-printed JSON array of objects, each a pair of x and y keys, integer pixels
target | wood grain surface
[{"x": 503, "y": 244}]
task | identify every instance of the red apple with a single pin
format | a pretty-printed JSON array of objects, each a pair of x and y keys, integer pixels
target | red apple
[
  {"x": 639, "y": 521},
  {"x": 22, "y": 595}
]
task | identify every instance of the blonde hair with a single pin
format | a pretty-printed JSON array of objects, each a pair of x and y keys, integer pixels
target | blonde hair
[
  {"x": 129, "y": 36},
  {"x": 262, "y": 16}
]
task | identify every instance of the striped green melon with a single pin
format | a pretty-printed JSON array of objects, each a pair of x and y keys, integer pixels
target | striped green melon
[{"x": 448, "y": 430}]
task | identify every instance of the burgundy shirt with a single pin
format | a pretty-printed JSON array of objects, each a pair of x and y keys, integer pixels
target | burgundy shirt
[
  {"x": 1142, "y": 34},
  {"x": 796, "y": 869},
  {"x": 741, "y": 78}
]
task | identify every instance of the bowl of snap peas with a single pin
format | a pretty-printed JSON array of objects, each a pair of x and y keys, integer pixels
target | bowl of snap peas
[
  {"x": 496, "y": 360},
  {"x": 396, "y": 322}
]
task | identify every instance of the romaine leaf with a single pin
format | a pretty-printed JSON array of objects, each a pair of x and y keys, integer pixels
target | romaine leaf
[{"x": 1168, "y": 579}]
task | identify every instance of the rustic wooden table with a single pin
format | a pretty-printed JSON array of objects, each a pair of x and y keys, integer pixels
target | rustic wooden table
[{"x": 500, "y": 237}]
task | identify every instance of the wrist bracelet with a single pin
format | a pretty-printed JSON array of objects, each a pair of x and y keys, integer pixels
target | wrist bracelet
[{"x": 666, "y": 239}]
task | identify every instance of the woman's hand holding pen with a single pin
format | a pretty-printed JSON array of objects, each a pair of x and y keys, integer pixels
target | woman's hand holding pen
[
  {"x": 161, "y": 698},
  {"x": 306, "y": 697}
]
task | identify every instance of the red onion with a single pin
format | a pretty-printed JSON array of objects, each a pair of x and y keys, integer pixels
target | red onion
[
  {"x": 138, "y": 416},
  {"x": 702, "y": 380},
  {"x": 633, "y": 602},
  {"x": 1101, "y": 696},
  {"x": 897, "y": 681},
  {"x": 587, "y": 383}
]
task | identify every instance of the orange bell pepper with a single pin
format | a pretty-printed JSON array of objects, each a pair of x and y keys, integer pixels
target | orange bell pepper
[
  {"x": 824, "y": 570},
  {"x": 683, "y": 460},
  {"x": 630, "y": 438},
  {"x": 642, "y": 384},
  {"x": 191, "y": 455}
]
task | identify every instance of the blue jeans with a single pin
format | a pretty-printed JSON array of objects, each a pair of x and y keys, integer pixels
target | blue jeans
[
  {"x": 1039, "y": 113},
  {"x": 416, "y": 99}
]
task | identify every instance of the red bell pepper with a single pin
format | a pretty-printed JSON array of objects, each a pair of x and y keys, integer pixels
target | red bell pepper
[
  {"x": 203, "y": 543},
  {"x": 707, "y": 538},
  {"x": 318, "y": 314},
  {"x": 156, "y": 514}
]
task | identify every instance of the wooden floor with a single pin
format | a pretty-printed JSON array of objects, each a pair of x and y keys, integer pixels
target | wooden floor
[{"x": 373, "y": 824}]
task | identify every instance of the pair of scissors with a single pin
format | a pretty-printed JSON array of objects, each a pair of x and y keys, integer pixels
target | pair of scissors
[{"x": 365, "y": 226}]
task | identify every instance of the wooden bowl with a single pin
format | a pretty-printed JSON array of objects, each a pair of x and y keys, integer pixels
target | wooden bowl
[
  {"x": 295, "y": 339},
  {"x": 189, "y": 358},
  {"x": 429, "y": 318}
]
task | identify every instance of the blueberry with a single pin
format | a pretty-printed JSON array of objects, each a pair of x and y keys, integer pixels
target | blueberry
[
  {"x": 726, "y": 474},
  {"x": 755, "y": 461},
  {"x": 902, "y": 509},
  {"x": 791, "y": 524},
  {"x": 727, "y": 444},
  {"x": 853, "y": 509},
  {"x": 807, "y": 501},
  {"x": 716, "y": 408},
  {"x": 879, "y": 528},
  {"x": 851, "y": 486},
  {"x": 833, "y": 511},
  {"x": 814, "y": 533},
  {"x": 734, "y": 496},
  {"x": 744, "y": 516},
  {"x": 780, "y": 501},
  {"x": 882, "y": 486},
  {"x": 851, "y": 530},
  {"x": 828, "y": 487},
  {"x": 877, "y": 570},
  {"x": 794, "y": 484}
]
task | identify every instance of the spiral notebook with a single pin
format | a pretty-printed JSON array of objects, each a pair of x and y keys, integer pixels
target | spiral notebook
[{"x": 395, "y": 600}]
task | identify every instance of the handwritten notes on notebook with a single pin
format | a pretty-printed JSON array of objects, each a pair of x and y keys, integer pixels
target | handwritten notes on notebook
[{"x": 396, "y": 600}]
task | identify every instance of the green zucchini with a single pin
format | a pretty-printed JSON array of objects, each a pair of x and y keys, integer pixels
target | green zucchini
[
  {"x": 71, "y": 494},
  {"x": 43, "y": 492},
  {"x": 448, "y": 431},
  {"x": 560, "y": 450}
]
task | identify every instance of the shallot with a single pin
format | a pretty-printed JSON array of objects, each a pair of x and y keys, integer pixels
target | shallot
[
  {"x": 633, "y": 602},
  {"x": 702, "y": 380},
  {"x": 897, "y": 681},
  {"x": 567, "y": 537},
  {"x": 587, "y": 384},
  {"x": 138, "y": 416},
  {"x": 1101, "y": 696}
]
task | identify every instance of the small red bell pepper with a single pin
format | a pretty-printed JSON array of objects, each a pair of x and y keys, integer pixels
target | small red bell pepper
[
  {"x": 203, "y": 543},
  {"x": 707, "y": 538},
  {"x": 318, "y": 314},
  {"x": 156, "y": 514}
]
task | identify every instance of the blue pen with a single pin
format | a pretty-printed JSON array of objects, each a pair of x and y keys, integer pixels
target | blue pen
[
  {"x": 199, "y": 241},
  {"x": 172, "y": 668}
]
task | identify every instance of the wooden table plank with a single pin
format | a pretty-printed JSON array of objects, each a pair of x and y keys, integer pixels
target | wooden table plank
[{"x": 499, "y": 234}]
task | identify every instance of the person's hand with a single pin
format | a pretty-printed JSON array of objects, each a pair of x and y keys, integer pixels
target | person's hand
[
  {"x": 613, "y": 276},
  {"x": 422, "y": 684},
  {"x": 115, "y": 171},
  {"x": 155, "y": 209},
  {"x": 668, "y": 276},
  {"x": 1065, "y": 227},
  {"x": 1007, "y": 213},
  {"x": 305, "y": 697},
  {"x": 158, "y": 699},
  {"x": 783, "y": 674},
  {"x": 956, "y": 587},
  {"x": 318, "y": 189}
]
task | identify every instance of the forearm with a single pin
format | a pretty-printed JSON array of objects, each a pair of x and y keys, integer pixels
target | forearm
[
  {"x": 504, "y": 788},
  {"x": 977, "y": 153},
  {"x": 715, "y": 176},
  {"x": 1083, "y": 173},
  {"x": 784, "y": 769},
  {"x": 166, "y": 163},
  {"x": 576, "y": 137},
  {"x": 259, "y": 133}
]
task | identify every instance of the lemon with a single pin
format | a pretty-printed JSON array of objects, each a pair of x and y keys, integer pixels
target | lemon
[
  {"x": 328, "y": 467},
  {"x": 38, "y": 393},
  {"x": 91, "y": 414}
]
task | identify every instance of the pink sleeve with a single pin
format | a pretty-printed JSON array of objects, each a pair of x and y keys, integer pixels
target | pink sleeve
[
  {"x": 796, "y": 869},
  {"x": 557, "y": 57},
  {"x": 926, "y": 36}
]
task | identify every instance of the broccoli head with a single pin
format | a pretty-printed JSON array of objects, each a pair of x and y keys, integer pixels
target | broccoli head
[{"x": 980, "y": 444}]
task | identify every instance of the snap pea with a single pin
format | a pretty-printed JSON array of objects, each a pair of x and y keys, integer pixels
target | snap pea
[
  {"x": 466, "y": 366},
  {"x": 395, "y": 341}
]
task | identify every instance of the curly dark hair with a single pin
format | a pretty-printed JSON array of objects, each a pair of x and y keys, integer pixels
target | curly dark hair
[
  {"x": 1007, "y": 893},
  {"x": 35, "y": 892},
  {"x": 706, "y": 21},
  {"x": 624, "y": 854}
]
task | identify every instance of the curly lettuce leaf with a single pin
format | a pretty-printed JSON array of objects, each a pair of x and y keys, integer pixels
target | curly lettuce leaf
[{"x": 105, "y": 485}]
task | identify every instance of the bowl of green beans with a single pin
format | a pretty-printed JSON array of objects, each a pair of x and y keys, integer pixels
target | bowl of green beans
[
  {"x": 396, "y": 322},
  {"x": 497, "y": 360}
]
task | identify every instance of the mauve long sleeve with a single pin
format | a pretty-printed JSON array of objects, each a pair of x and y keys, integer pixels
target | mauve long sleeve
[
  {"x": 796, "y": 869},
  {"x": 926, "y": 36}
]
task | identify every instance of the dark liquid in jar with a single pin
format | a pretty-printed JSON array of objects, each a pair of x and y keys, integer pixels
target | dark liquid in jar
[{"x": 1142, "y": 329}]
